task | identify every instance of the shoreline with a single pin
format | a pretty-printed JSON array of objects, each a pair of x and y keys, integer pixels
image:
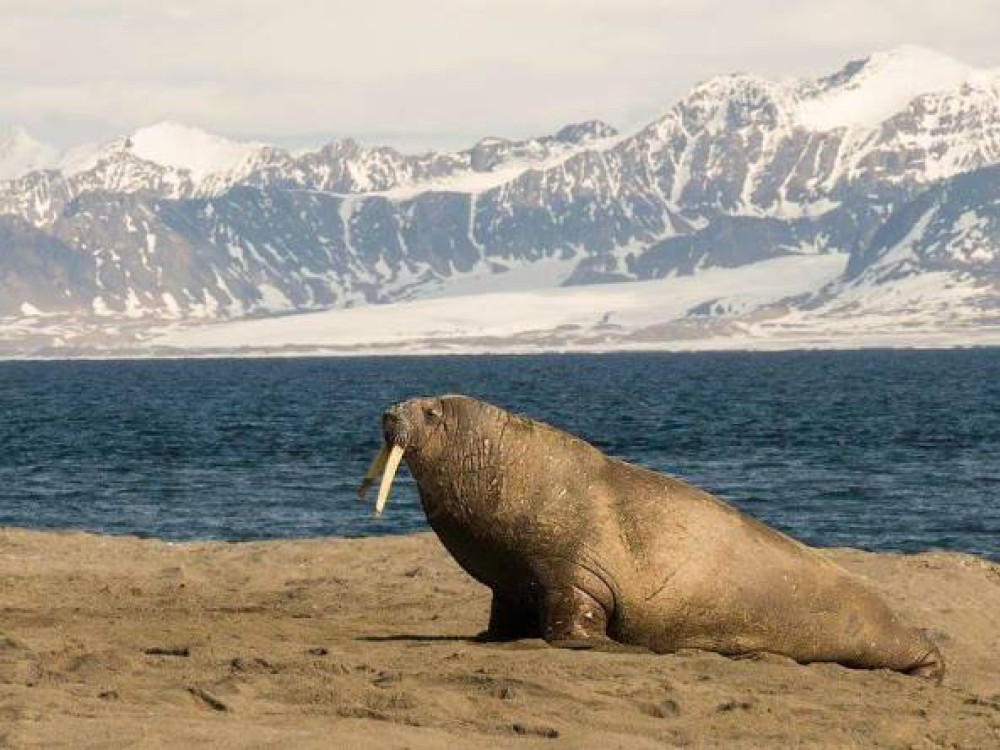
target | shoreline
[
  {"x": 366, "y": 642},
  {"x": 988, "y": 558},
  {"x": 127, "y": 355}
]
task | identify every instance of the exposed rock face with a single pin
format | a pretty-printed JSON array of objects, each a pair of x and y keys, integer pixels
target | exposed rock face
[{"x": 172, "y": 222}]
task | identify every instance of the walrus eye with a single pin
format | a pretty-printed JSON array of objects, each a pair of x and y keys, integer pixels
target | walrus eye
[{"x": 432, "y": 413}]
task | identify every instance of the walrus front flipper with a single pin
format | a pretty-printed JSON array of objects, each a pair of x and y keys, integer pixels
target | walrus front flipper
[{"x": 511, "y": 619}]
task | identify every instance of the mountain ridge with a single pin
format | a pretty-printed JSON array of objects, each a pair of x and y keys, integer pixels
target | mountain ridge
[{"x": 731, "y": 175}]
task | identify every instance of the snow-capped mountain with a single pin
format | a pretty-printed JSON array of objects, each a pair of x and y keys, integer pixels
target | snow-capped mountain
[{"x": 888, "y": 163}]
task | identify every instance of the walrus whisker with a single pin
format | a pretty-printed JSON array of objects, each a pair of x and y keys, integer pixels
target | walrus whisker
[
  {"x": 395, "y": 456},
  {"x": 378, "y": 464}
]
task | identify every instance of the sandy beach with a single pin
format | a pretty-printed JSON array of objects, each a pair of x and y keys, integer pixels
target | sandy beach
[{"x": 118, "y": 641}]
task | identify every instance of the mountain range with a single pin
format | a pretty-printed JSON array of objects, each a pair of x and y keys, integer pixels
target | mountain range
[{"x": 877, "y": 188}]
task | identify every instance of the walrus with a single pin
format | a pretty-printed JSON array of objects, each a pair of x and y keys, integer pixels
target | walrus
[{"x": 587, "y": 551}]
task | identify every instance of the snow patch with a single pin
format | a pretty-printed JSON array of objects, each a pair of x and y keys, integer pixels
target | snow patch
[
  {"x": 903, "y": 252},
  {"x": 170, "y": 302},
  {"x": 272, "y": 298},
  {"x": 133, "y": 305},
  {"x": 182, "y": 147},
  {"x": 29, "y": 309},
  {"x": 883, "y": 85}
]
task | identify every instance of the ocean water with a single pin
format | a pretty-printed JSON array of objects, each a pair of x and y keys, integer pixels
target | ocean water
[{"x": 885, "y": 450}]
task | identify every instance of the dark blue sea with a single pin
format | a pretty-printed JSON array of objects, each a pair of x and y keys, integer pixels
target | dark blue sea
[{"x": 885, "y": 450}]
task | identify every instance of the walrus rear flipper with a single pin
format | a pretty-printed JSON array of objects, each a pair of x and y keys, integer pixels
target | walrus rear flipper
[
  {"x": 930, "y": 667},
  {"x": 903, "y": 649}
]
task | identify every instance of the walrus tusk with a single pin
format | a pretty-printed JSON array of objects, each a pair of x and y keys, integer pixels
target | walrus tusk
[
  {"x": 395, "y": 456},
  {"x": 373, "y": 471}
]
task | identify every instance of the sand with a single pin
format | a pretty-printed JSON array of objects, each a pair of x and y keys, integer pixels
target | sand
[{"x": 117, "y": 641}]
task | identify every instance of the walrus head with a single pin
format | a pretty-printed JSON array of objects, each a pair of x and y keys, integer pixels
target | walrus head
[{"x": 411, "y": 428}]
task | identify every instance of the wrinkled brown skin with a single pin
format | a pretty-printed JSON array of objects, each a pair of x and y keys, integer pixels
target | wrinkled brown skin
[{"x": 588, "y": 551}]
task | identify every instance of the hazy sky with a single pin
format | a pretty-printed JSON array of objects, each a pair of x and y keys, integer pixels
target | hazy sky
[{"x": 427, "y": 72}]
